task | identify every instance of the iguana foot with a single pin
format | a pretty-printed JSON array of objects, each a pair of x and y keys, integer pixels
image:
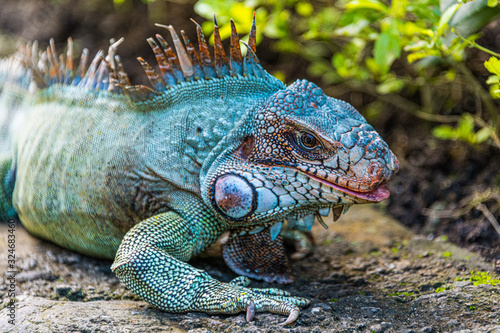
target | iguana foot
[
  {"x": 233, "y": 297},
  {"x": 150, "y": 262}
]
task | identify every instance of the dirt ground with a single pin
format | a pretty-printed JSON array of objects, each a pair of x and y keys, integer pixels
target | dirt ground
[{"x": 367, "y": 274}]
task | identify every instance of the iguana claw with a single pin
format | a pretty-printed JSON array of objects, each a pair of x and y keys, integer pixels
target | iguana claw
[
  {"x": 294, "y": 314},
  {"x": 250, "y": 311}
]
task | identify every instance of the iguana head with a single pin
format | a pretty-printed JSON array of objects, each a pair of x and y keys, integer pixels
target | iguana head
[{"x": 298, "y": 153}]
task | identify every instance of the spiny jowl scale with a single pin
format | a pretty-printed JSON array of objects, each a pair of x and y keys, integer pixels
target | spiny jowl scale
[{"x": 215, "y": 145}]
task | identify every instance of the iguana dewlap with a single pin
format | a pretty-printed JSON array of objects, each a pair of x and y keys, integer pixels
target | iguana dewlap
[{"x": 152, "y": 176}]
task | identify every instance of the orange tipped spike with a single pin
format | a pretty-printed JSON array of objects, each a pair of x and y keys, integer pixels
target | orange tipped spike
[
  {"x": 171, "y": 57},
  {"x": 82, "y": 66},
  {"x": 185, "y": 63},
  {"x": 219, "y": 54},
  {"x": 252, "y": 42},
  {"x": 52, "y": 58},
  {"x": 69, "y": 59},
  {"x": 235, "y": 52},
  {"x": 160, "y": 57},
  {"x": 153, "y": 77},
  {"x": 61, "y": 68},
  {"x": 123, "y": 80},
  {"x": 206, "y": 61},
  {"x": 193, "y": 55}
]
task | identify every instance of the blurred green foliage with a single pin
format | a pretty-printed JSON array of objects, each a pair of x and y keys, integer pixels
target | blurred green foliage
[
  {"x": 493, "y": 66},
  {"x": 412, "y": 49},
  {"x": 464, "y": 131}
]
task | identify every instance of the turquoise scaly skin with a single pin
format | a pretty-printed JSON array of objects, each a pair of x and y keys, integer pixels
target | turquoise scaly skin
[{"x": 150, "y": 177}]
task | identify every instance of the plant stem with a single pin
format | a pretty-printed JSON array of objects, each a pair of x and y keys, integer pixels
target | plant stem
[{"x": 474, "y": 44}]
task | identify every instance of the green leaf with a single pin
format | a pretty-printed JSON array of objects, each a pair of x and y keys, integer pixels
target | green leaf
[
  {"x": 493, "y": 66},
  {"x": 372, "y": 65},
  {"x": 444, "y": 4},
  {"x": 472, "y": 16},
  {"x": 429, "y": 61},
  {"x": 495, "y": 91},
  {"x": 483, "y": 134},
  {"x": 391, "y": 85},
  {"x": 411, "y": 29},
  {"x": 386, "y": 50},
  {"x": 465, "y": 126},
  {"x": 367, "y": 4},
  {"x": 444, "y": 132},
  {"x": 493, "y": 79},
  {"x": 353, "y": 29},
  {"x": 339, "y": 62},
  {"x": 445, "y": 18},
  {"x": 492, "y": 3},
  {"x": 304, "y": 9}
]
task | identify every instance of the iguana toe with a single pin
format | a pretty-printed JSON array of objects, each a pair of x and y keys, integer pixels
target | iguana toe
[{"x": 250, "y": 311}]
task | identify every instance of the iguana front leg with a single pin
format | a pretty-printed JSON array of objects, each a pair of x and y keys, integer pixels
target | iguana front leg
[{"x": 150, "y": 262}]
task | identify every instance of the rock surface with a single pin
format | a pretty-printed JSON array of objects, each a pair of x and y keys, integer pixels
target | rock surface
[{"x": 367, "y": 274}]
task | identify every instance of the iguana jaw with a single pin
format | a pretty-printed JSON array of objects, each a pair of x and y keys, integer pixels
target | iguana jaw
[{"x": 378, "y": 194}]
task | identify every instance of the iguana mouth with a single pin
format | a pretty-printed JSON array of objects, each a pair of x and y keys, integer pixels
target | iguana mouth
[{"x": 378, "y": 194}]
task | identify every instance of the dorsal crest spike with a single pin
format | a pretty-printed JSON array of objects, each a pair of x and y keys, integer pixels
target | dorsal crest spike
[
  {"x": 193, "y": 56},
  {"x": 251, "y": 64},
  {"x": 110, "y": 57},
  {"x": 102, "y": 72},
  {"x": 34, "y": 52},
  {"x": 236, "y": 59},
  {"x": 69, "y": 62},
  {"x": 186, "y": 66},
  {"x": 123, "y": 80},
  {"x": 89, "y": 79},
  {"x": 54, "y": 64},
  {"x": 206, "y": 60},
  {"x": 153, "y": 77},
  {"x": 252, "y": 38},
  {"x": 163, "y": 63},
  {"x": 61, "y": 68},
  {"x": 179, "y": 63},
  {"x": 112, "y": 76},
  {"x": 220, "y": 56},
  {"x": 82, "y": 66},
  {"x": 172, "y": 59}
]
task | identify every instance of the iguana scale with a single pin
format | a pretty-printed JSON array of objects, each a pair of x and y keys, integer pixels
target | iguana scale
[{"x": 150, "y": 176}]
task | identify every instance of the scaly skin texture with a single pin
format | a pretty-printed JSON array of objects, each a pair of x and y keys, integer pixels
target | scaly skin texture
[{"x": 151, "y": 177}]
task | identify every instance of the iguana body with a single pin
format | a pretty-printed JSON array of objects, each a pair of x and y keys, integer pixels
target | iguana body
[{"x": 154, "y": 176}]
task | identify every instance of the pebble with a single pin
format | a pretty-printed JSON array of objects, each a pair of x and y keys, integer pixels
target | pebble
[{"x": 315, "y": 310}]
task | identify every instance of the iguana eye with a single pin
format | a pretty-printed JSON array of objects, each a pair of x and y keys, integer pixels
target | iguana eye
[{"x": 308, "y": 141}]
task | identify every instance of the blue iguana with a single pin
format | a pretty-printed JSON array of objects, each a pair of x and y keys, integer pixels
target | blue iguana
[{"x": 151, "y": 176}]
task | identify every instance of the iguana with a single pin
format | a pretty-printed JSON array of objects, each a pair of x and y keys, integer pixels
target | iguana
[{"x": 151, "y": 176}]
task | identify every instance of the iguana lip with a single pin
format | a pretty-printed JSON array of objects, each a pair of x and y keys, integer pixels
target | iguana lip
[{"x": 376, "y": 195}]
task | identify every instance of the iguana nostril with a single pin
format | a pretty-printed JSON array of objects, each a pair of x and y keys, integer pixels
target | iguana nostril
[{"x": 381, "y": 174}]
